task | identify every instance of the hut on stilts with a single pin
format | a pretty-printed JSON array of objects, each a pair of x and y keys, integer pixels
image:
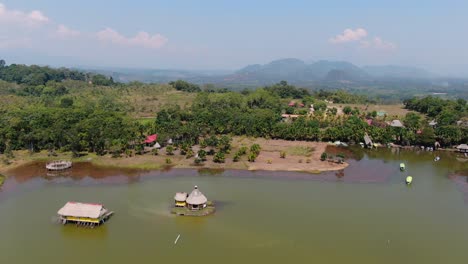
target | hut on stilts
[{"x": 84, "y": 214}]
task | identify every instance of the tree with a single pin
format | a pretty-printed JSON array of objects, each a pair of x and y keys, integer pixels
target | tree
[
  {"x": 181, "y": 85},
  {"x": 255, "y": 148},
  {"x": 219, "y": 157},
  {"x": 347, "y": 110},
  {"x": 170, "y": 150},
  {"x": 202, "y": 154},
  {"x": 2, "y": 63},
  {"x": 412, "y": 121},
  {"x": 252, "y": 157}
]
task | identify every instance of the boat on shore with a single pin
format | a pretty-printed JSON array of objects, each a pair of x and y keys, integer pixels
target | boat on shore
[{"x": 59, "y": 165}]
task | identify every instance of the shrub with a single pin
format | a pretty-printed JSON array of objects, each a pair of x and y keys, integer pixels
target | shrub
[
  {"x": 236, "y": 157},
  {"x": 252, "y": 157},
  {"x": 300, "y": 161},
  {"x": 168, "y": 161},
  {"x": 269, "y": 161},
  {"x": 190, "y": 154},
  {"x": 202, "y": 154},
  {"x": 139, "y": 149},
  {"x": 340, "y": 155},
  {"x": 219, "y": 157},
  {"x": 323, "y": 157},
  {"x": 155, "y": 152},
  {"x": 255, "y": 148},
  {"x": 170, "y": 150},
  {"x": 283, "y": 154},
  {"x": 8, "y": 152},
  {"x": 198, "y": 161},
  {"x": 308, "y": 160},
  {"x": 242, "y": 151}
]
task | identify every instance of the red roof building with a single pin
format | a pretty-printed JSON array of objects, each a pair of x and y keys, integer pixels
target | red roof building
[{"x": 151, "y": 138}]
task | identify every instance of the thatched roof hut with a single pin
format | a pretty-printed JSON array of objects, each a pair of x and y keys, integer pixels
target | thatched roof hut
[
  {"x": 396, "y": 123},
  {"x": 180, "y": 197},
  {"x": 463, "y": 148},
  {"x": 87, "y": 210},
  {"x": 196, "y": 199}
]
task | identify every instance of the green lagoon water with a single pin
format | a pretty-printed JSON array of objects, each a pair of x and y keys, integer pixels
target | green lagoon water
[{"x": 364, "y": 214}]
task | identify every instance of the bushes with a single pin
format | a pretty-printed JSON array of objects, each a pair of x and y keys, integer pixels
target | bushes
[
  {"x": 170, "y": 150},
  {"x": 252, "y": 157},
  {"x": 283, "y": 154},
  {"x": 255, "y": 148},
  {"x": 219, "y": 157},
  {"x": 202, "y": 155},
  {"x": 323, "y": 157}
]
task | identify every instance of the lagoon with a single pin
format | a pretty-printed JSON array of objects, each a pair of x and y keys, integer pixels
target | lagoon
[{"x": 363, "y": 214}]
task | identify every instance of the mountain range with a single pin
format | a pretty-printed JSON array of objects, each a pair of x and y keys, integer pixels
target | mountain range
[{"x": 292, "y": 70}]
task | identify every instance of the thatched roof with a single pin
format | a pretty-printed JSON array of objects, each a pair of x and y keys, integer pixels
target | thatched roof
[
  {"x": 433, "y": 123},
  {"x": 196, "y": 197},
  {"x": 463, "y": 146},
  {"x": 82, "y": 210},
  {"x": 180, "y": 196},
  {"x": 396, "y": 123}
]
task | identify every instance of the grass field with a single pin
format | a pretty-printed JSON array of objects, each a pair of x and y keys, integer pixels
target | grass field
[{"x": 393, "y": 110}]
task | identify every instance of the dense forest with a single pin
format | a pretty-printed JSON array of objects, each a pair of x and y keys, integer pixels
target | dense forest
[{"x": 60, "y": 109}]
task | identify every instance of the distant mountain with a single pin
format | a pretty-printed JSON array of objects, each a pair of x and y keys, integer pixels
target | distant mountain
[
  {"x": 401, "y": 72},
  {"x": 297, "y": 70},
  {"x": 321, "y": 73}
]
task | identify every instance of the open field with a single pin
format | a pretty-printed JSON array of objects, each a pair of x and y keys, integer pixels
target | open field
[{"x": 393, "y": 110}]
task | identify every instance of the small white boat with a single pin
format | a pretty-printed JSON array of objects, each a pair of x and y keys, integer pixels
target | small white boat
[{"x": 58, "y": 165}]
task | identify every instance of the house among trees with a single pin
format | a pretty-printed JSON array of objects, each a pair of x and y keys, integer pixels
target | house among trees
[
  {"x": 463, "y": 148},
  {"x": 433, "y": 123},
  {"x": 396, "y": 123},
  {"x": 151, "y": 143}
]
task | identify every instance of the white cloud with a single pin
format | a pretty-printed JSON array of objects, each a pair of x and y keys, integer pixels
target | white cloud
[
  {"x": 64, "y": 31},
  {"x": 33, "y": 18},
  {"x": 360, "y": 36},
  {"x": 142, "y": 39},
  {"x": 349, "y": 35}
]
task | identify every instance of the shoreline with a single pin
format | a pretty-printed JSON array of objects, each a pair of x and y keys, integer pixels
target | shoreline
[{"x": 302, "y": 156}]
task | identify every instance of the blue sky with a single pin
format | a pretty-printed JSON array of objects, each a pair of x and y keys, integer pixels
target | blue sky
[{"x": 231, "y": 34}]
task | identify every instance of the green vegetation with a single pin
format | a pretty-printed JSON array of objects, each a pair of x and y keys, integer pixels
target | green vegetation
[
  {"x": 64, "y": 110},
  {"x": 2, "y": 179}
]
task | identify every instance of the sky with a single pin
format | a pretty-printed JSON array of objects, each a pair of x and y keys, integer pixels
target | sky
[{"x": 228, "y": 35}]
